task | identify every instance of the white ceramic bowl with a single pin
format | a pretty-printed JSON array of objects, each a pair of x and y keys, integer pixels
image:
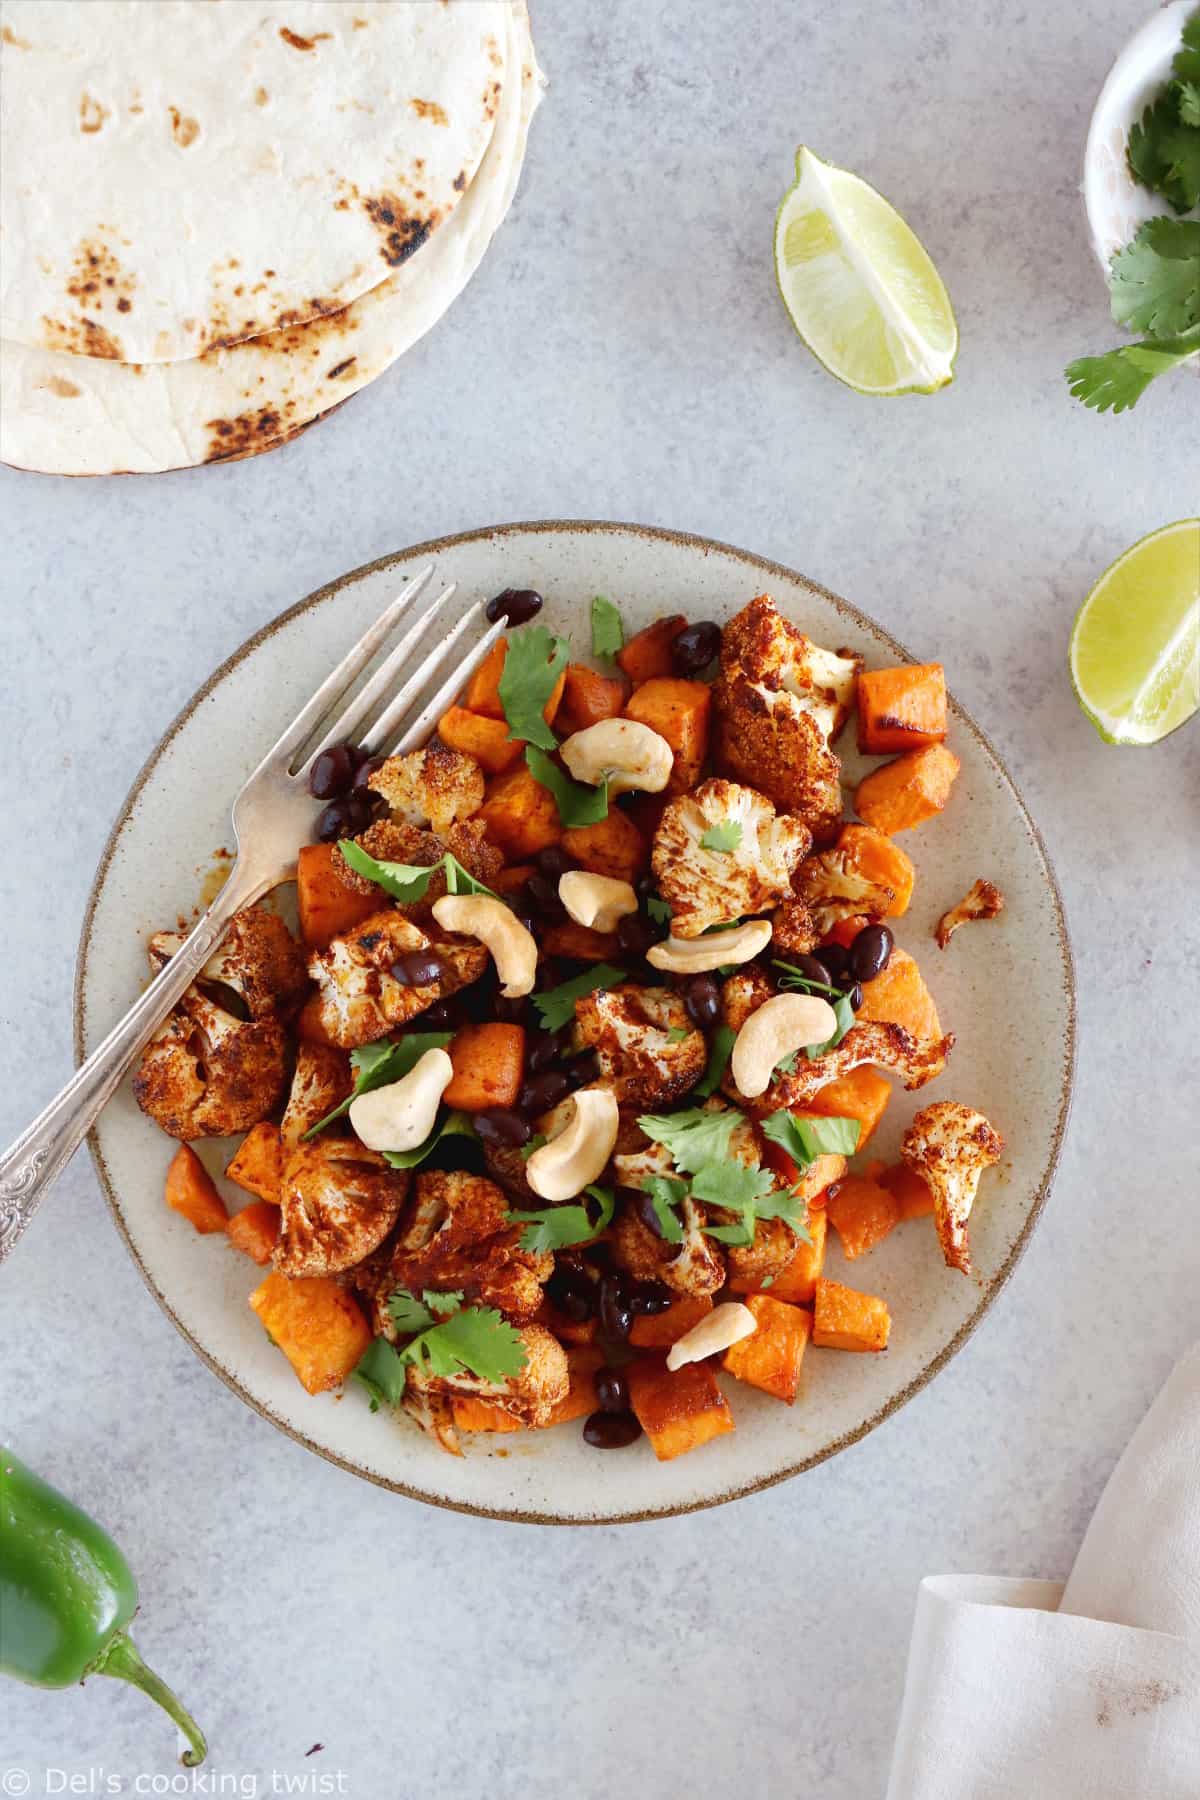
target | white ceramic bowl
[{"x": 1006, "y": 989}]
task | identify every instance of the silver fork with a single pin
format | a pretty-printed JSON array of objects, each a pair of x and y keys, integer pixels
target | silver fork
[{"x": 272, "y": 816}]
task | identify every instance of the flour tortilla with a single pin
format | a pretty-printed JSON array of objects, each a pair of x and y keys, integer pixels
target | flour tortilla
[
  {"x": 178, "y": 174},
  {"x": 70, "y": 415}
]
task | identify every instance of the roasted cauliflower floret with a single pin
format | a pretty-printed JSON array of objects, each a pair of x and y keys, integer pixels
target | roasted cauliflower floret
[
  {"x": 455, "y": 1238},
  {"x": 833, "y": 889},
  {"x": 337, "y": 1202},
  {"x": 694, "y": 1267},
  {"x": 983, "y": 900},
  {"x": 530, "y": 1397},
  {"x": 206, "y": 1074},
  {"x": 792, "y": 930},
  {"x": 358, "y": 997},
  {"x": 780, "y": 700},
  {"x": 744, "y": 992},
  {"x": 949, "y": 1146},
  {"x": 390, "y": 840},
  {"x": 435, "y": 787},
  {"x": 710, "y": 887},
  {"x": 886, "y": 1046},
  {"x": 630, "y": 1030},
  {"x": 321, "y": 1080},
  {"x": 258, "y": 958}
]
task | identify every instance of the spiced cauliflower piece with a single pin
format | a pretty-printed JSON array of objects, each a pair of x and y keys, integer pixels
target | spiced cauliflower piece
[
  {"x": 793, "y": 932},
  {"x": 455, "y": 1238},
  {"x": 206, "y": 1074},
  {"x": 358, "y": 997},
  {"x": 258, "y": 958},
  {"x": 694, "y": 1267},
  {"x": 630, "y": 1028},
  {"x": 884, "y": 1046},
  {"x": 983, "y": 900},
  {"x": 321, "y": 1080},
  {"x": 711, "y": 887},
  {"x": 780, "y": 699},
  {"x": 949, "y": 1146},
  {"x": 435, "y": 787},
  {"x": 529, "y": 1397},
  {"x": 391, "y": 840},
  {"x": 337, "y": 1202},
  {"x": 833, "y": 889}
]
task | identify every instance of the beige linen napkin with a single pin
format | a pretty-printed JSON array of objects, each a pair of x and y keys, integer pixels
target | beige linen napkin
[{"x": 1028, "y": 1690}]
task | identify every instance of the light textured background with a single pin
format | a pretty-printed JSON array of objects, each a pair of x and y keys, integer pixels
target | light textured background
[{"x": 623, "y": 355}]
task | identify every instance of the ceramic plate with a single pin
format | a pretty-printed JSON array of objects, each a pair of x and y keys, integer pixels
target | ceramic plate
[{"x": 177, "y": 816}]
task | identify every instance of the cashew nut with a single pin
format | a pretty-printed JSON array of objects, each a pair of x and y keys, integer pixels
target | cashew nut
[
  {"x": 630, "y": 754},
  {"x": 563, "y": 1168},
  {"x": 726, "y": 1324},
  {"x": 401, "y": 1115},
  {"x": 482, "y": 916},
  {"x": 598, "y": 901},
  {"x": 785, "y": 1023},
  {"x": 692, "y": 956}
]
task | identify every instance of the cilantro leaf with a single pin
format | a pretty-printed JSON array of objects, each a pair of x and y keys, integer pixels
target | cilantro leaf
[
  {"x": 785, "y": 1204},
  {"x": 1186, "y": 66},
  {"x": 558, "y": 1227},
  {"x": 532, "y": 665},
  {"x": 727, "y": 835},
  {"x": 739, "y": 1236},
  {"x": 608, "y": 633},
  {"x": 378, "y": 1065},
  {"x": 407, "y": 1313},
  {"x": 796, "y": 978},
  {"x": 476, "y": 1340},
  {"x": 769, "y": 1280},
  {"x": 678, "y": 1033},
  {"x": 843, "y": 1012},
  {"x": 1155, "y": 279},
  {"x": 455, "y": 1124},
  {"x": 442, "y": 1303},
  {"x": 804, "y": 1138},
  {"x": 558, "y": 1006},
  {"x": 577, "y": 803},
  {"x": 380, "y": 1370},
  {"x": 535, "y": 1143},
  {"x": 666, "y": 1191},
  {"x": 695, "y": 1136},
  {"x": 720, "y": 1050},
  {"x": 731, "y": 1185},
  {"x": 410, "y": 881},
  {"x": 461, "y": 881},
  {"x": 1164, "y": 153},
  {"x": 659, "y": 909},
  {"x": 1189, "y": 101},
  {"x": 1117, "y": 380}
]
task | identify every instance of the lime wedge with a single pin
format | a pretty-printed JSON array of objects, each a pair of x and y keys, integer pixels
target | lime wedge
[
  {"x": 1135, "y": 646},
  {"x": 859, "y": 285}
]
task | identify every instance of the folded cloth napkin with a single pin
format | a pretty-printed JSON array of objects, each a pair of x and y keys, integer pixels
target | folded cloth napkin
[{"x": 1029, "y": 1690}]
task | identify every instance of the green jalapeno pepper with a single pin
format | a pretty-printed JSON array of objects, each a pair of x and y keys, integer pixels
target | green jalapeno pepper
[{"x": 66, "y": 1596}]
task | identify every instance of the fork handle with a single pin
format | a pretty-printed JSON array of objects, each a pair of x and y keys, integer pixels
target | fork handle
[{"x": 43, "y": 1149}]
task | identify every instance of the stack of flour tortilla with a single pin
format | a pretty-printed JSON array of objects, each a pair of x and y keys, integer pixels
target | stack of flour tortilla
[{"x": 219, "y": 219}]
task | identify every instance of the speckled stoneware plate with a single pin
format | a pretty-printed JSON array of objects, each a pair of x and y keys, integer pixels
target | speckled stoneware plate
[{"x": 152, "y": 872}]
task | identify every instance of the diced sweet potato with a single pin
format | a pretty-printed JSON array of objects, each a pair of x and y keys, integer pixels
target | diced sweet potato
[
  {"x": 613, "y": 846},
  {"x": 658, "y": 1331},
  {"x": 471, "y": 1414},
  {"x": 798, "y": 1282},
  {"x": 483, "y": 689},
  {"x": 309, "y": 1024},
  {"x": 844, "y": 931},
  {"x": 815, "y": 1179},
  {"x": 587, "y": 698},
  {"x": 513, "y": 879},
  {"x": 678, "y": 1411},
  {"x": 912, "y": 1196},
  {"x": 191, "y": 1191},
  {"x": 872, "y": 855},
  {"x": 257, "y": 1165},
  {"x": 863, "y": 1094},
  {"x": 899, "y": 997},
  {"x": 583, "y": 1360},
  {"x": 485, "y": 739},
  {"x": 566, "y": 1330},
  {"x": 327, "y": 904},
  {"x": 678, "y": 711},
  {"x": 862, "y": 1213},
  {"x": 844, "y": 1319},
  {"x": 907, "y": 791},
  {"x": 579, "y": 942},
  {"x": 255, "y": 1230},
  {"x": 319, "y": 1326},
  {"x": 901, "y": 709},
  {"x": 489, "y": 1066},
  {"x": 520, "y": 814},
  {"x": 648, "y": 652},
  {"x": 771, "y": 1358},
  {"x": 645, "y": 811}
]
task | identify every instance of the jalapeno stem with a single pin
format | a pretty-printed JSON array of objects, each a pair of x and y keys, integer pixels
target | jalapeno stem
[{"x": 123, "y": 1660}]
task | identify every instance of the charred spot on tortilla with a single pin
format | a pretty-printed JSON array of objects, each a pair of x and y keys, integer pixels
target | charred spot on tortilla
[
  {"x": 261, "y": 96},
  {"x": 429, "y": 109},
  {"x": 340, "y": 368},
  {"x": 80, "y": 337},
  {"x": 124, "y": 305},
  {"x": 96, "y": 267},
  {"x": 248, "y": 431},
  {"x": 20, "y": 43},
  {"x": 66, "y": 390},
  {"x": 403, "y": 232},
  {"x": 91, "y": 114},
  {"x": 301, "y": 43},
  {"x": 184, "y": 130},
  {"x": 460, "y": 181}
]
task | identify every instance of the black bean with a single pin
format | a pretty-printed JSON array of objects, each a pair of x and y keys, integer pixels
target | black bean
[
  {"x": 572, "y": 1292},
  {"x": 583, "y": 1070},
  {"x": 870, "y": 952},
  {"x": 542, "y": 1051},
  {"x": 361, "y": 806},
  {"x": 541, "y": 1092},
  {"x": 542, "y": 896},
  {"x": 331, "y": 773},
  {"x": 635, "y": 934},
  {"x": 694, "y": 649},
  {"x": 553, "y": 862},
  {"x": 645, "y": 886},
  {"x": 616, "y": 1316},
  {"x": 836, "y": 960},
  {"x": 648, "y": 1298},
  {"x": 443, "y": 1015},
  {"x": 854, "y": 995},
  {"x": 644, "y": 1207},
  {"x": 702, "y": 998},
  {"x": 334, "y": 823},
  {"x": 499, "y": 1125},
  {"x": 814, "y": 967},
  {"x": 420, "y": 968},
  {"x": 611, "y": 1431},
  {"x": 516, "y": 606},
  {"x": 612, "y": 1390},
  {"x": 366, "y": 769}
]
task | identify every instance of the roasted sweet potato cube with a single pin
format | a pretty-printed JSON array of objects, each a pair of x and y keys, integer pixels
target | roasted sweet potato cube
[
  {"x": 587, "y": 698},
  {"x": 327, "y": 904},
  {"x": 907, "y": 791},
  {"x": 912, "y": 1195},
  {"x": 483, "y": 689},
  {"x": 863, "y": 1094},
  {"x": 613, "y": 846},
  {"x": 844, "y": 1319},
  {"x": 319, "y": 1326},
  {"x": 520, "y": 814},
  {"x": 876, "y": 858},
  {"x": 257, "y": 1165},
  {"x": 484, "y": 738},
  {"x": 658, "y": 1331},
  {"x": 489, "y": 1066},
  {"x": 900, "y": 997},
  {"x": 678, "y": 711},
  {"x": 680, "y": 1410},
  {"x": 901, "y": 709},
  {"x": 191, "y": 1191},
  {"x": 648, "y": 652},
  {"x": 798, "y": 1281},
  {"x": 512, "y": 879},
  {"x": 471, "y": 1414},
  {"x": 579, "y": 943},
  {"x": 771, "y": 1358},
  {"x": 255, "y": 1231},
  {"x": 862, "y": 1213},
  {"x": 583, "y": 1360},
  {"x": 567, "y": 1330}
]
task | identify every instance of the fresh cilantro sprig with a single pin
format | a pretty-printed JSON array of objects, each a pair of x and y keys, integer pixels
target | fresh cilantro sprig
[
  {"x": 608, "y": 632},
  {"x": 534, "y": 661},
  {"x": 455, "y": 1124},
  {"x": 380, "y": 1370},
  {"x": 725, "y": 835},
  {"x": 1155, "y": 279},
  {"x": 378, "y": 1065},
  {"x": 665, "y": 1193},
  {"x": 410, "y": 881},
  {"x": 695, "y": 1136},
  {"x": 1164, "y": 146},
  {"x": 471, "y": 1339},
  {"x": 843, "y": 1013},
  {"x": 658, "y": 909},
  {"x": 556, "y": 1007},
  {"x": 720, "y": 1050},
  {"x": 796, "y": 978},
  {"x": 1117, "y": 380},
  {"x": 559, "y": 1227},
  {"x": 578, "y": 803},
  {"x": 804, "y": 1139}
]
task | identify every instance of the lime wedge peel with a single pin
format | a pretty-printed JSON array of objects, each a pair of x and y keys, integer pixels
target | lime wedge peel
[
  {"x": 1135, "y": 644},
  {"x": 859, "y": 286}
]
